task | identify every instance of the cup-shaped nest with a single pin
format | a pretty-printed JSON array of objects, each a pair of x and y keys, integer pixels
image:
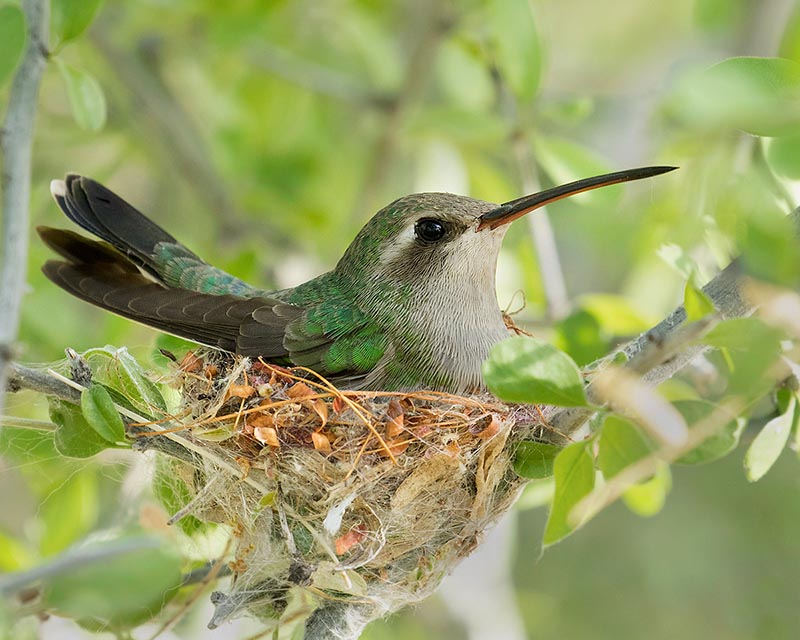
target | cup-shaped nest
[{"x": 343, "y": 505}]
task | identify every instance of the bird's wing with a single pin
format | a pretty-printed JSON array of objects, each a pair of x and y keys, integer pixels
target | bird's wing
[
  {"x": 97, "y": 273},
  {"x": 141, "y": 272},
  {"x": 320, "y": 331},
  {"x": 335, "y": 339}
]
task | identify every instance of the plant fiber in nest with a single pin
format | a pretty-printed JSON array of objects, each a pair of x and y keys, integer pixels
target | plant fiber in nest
[{"x": 343, "y": 505}]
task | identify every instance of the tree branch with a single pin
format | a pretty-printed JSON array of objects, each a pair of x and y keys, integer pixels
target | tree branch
[
  {"x": 176, "y": 134},
  {"x": 16, "y": 143},
  {"x": 659, "y": 353},
  {"x": 317, "y": 78},
  {"x": 21, "y": 377},
  {"x": 436, "y": 22}
]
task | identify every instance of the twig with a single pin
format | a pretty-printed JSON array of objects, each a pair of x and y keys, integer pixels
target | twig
[
  {"x": 79, "y": 558},
  {"x": 16, "y": 142},
  {"x": 21, "y": 377},
  {"x": 315, "y": 77},
  {"x": 435, "y": 23},
  {"x": 176, "y": 134},
  {"x": 659, "y": 353},
  {"x": 541, "y": 233},
  {"x": 183, "y": 441},
  {"x": 26, "y": 378},
  {"x": 539, "y": 227},
  {"x": 27, "y": 423}
]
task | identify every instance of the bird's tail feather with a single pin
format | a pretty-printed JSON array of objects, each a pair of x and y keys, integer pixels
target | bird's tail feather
[
  {"x": 146, "y": 245},
  {"x": 99, "y": 274},
  {"x": 102, "y": 212}
]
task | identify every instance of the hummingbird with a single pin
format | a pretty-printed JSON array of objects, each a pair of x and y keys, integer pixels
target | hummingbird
[{"x": 410, "y": 305}]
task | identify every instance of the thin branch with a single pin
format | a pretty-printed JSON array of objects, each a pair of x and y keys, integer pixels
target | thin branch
[
  {"x": 176, "y": 134},
  {"x": 79, "y": 558},
  {"x": 539, "y": 228},
  {"x": 317, "y": 78},
  {"x": 542, "y": 236},
  {"x": 436, "y": 22},
  {"x": 27, "y": 423},
  {"x": 659, "y": 353},
  {"x": 16, "y": 142},
  {"x": 21, "y": 377}
]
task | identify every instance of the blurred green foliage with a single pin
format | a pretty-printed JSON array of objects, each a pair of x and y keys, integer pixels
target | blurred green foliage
[{"x": 263, "y": 134}]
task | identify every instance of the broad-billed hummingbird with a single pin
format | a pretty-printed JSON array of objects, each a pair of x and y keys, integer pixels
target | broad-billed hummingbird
[{"x": 410, "y": 305}]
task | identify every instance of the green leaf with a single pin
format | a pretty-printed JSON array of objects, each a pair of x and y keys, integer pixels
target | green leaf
[
  {"x": 12, "y": 40},
  {"x": 744, "y": 334},
  {"x": 581, "y": 337},
  {"x": 535, "y": 459},
  {"x": 696, "y": 303},
  {"x": 119, "y": 370},
  {"x": 26, "y": 446},
  {"x": 69, "y": 512},
  {"x": 85, "y": 97},
  {"x": 647, "y": 498},
  {"x": 716, "y": 446},
  {"x": 517, "y": 47},
  {"x": 796, "y": 426},
  {"x": 171, "y": 487},
  {"x": 178, "y": 347},
  {"x": 14, "y": 555},
  {"x": 769, "y": 247},
  {"x": 99, "y": 411},
  {"x": 569, "y": 111},
  {"x": 677, "y": 258},
  {"x": 74, "y": 438},
  {"x": 757, "y": 95},
  {"x": 790, "y": 39},
  {"x": 463, "y": 76},
  {"x": 115, "y": 583},
  {"x": 533, "y": 371},
  {"x": 783, "y": 156},
  {"x": 720, "y": 16},
  {"x": 752, "y": 347},
  {"x": 574, "y": 474},
  {"x": 769, "y": 443},
  {"x": 457, "y": 125},
  {"x": 617, "y": 315},
  {"x": 621, "y": 444},
  {"x": 70, "y": 18}
]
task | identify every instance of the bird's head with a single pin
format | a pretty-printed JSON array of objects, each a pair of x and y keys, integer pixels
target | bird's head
[{"x": 423, "y": 236}]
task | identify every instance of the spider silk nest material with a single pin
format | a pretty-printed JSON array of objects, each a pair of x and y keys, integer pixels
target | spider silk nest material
[{"x": 361, "y": 501}]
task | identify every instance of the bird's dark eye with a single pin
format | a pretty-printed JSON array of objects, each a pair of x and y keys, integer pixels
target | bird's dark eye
[{"x": 429, "y": 230}]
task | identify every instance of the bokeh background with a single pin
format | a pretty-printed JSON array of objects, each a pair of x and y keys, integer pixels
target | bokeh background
[{"x": 264, "y": 134}]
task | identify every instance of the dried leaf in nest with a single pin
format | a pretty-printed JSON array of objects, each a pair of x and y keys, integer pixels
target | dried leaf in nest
[
  {"x": 267, "y": 435},
  {"x": 344, "y": 543},
  {"x": 321, "y": 409},
  {"x": 241, "y": 391},
  {"x": 321, "y": 442},
  {"x": 261, "y": 420},
  {"x": 394, "y": 448},
  {"x": 299, "y": 390},
  {"x": 487, "y": 427},
  {"x": 394, "y": 413},
  {"x": 190, "y": 363}
]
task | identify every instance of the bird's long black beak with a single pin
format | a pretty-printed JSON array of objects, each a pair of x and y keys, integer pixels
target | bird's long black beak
[{"x": 514, "y": 209}]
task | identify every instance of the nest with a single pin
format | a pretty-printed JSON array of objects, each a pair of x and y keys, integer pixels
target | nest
[{"x": 344, "y": 505}]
